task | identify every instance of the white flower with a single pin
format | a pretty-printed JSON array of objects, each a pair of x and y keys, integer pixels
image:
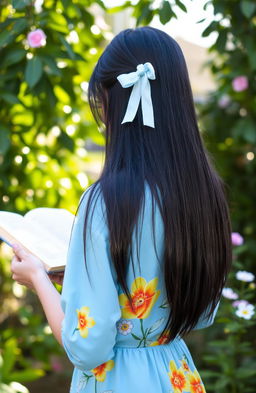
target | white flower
[
  {"x": 245, "y": 311},
  {"x": 124, "y": 326},
  {"x": 229, "y": 293},
  {"x": 242, "y": 275}
]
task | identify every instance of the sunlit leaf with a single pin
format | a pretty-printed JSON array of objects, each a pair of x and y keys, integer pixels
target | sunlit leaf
[{"x": 9, "y": 357}]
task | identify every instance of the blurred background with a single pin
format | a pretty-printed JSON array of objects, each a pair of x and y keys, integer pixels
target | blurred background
[{"x": 51, "y": 151}]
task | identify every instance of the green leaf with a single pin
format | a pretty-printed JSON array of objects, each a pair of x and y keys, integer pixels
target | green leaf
[
  {"x": 68, "y": 47},
  {"x": 7, "y": 36},
  {"x": 5, "y": 141},
  {"x": 246, "y": 129},
  {"x": 20, "y": 25},
  {"x": 245, "y": 372},
  {"x": 209, "y": 29},
  {"x": 181, "y": 5},
  {"x": 221, "y": 382},
  {"x": 209, "y": 373},
  {"x": 13, "y": 57},
  {"x": 220, "y": 43},
  {"x": 51, "y": 64},
  {"x": 201, "y": 20},
  {"x": 135, "y": 337},
  {"x": 165, "y": 13},
  {"x": 250, "y": 45},
  {"x": 248, "y": 8},
  {"x": 145, "y": 16},
  {"x": 33, "y": 71},
  {"x": 66, "y": 141},
  {"x": 9, "y": 354},
  {"x": 19, "y": 4},
  {"x": 26, "y": 375},
  {"x": 9, "y": 98}
]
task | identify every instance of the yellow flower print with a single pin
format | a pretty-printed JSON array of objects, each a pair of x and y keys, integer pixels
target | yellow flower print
[
  {"x": 196, "y": 384},
  {"x": 144, "y": 295},
  {"x": 100, "y": 372},
  {"x": 84, "y": 321},
  {"x": 178, "y": 379},
  {"x": 161, "y": 340},
  {"x": 184, "y": 365}
]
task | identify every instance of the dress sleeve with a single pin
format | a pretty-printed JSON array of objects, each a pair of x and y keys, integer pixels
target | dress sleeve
[
  {"x": 89, "y": 299},
  {"x": 203, "y": 321}
]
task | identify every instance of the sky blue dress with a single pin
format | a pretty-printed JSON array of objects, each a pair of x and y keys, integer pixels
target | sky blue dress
[{"x": 116, "y": 349}]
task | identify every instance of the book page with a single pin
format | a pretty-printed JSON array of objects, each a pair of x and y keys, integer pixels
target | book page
[
  {"x": 52, "y": 220},
  {"x": 44, "y": 231}
]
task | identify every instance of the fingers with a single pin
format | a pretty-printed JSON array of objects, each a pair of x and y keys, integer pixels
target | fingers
[
  {"x": 13, "y": 263},
  {"x": 19, "y": 251}
]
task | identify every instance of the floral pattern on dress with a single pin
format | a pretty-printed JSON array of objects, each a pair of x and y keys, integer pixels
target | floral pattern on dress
[
  {"x": 144, "y": 295},
  {"x": 183, "y": 380},
  {"x": 196, "y": 384},
  {"x": 82, "y": 382},
  {"x": 161, "y": 339},
  {"x": 178, "y": 379},
  {"x": 124, "y": 326},
  {"x": 84, "y": 321},
  {"x": 100, "y": 372},
  {"x": 184, "y": 364}
]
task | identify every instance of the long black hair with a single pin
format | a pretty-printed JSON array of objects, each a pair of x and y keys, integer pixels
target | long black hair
[{"x": 172, "y": 159}]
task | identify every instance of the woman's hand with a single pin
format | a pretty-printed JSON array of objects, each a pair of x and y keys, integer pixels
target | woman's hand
[{"x": 26, "y": 267}]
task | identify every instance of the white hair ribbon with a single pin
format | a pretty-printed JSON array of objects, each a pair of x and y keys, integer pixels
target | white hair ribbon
[{"x": 141, "y": 90}]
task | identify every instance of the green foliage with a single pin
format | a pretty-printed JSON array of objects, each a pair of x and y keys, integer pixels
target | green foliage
[
  {"x": 231, "y": 355},
  {"x": 145, "y": 10},
  {"x": 44, "y": 123},
  {"x": 229, "y": 127},
  {"x": 42, "y": 90}
]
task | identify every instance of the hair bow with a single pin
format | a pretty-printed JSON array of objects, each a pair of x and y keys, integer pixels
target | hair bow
[{"x": 141, "y": 91}]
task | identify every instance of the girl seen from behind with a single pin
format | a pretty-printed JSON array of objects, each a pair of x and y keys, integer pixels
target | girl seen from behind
[{"x": 150, "y": 248}]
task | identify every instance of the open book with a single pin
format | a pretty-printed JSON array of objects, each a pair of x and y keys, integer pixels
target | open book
[{"x": 44, "y": 232}]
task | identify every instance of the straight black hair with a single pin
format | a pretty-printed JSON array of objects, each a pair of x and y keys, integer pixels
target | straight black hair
[{"x": 172, "y": 159}]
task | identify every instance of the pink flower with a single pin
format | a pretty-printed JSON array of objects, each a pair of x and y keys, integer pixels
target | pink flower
[
  {"x": 240, "y": 83},
  {"x": 237, "y": 239},
  {"x": 240, "y": 303},
  {"x": 56, "y": 365},
  {"x": 36, "y": 38}
]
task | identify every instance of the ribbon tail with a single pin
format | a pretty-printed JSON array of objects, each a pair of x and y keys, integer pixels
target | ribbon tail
[
  {"x": 133, "y": 103},
  {"x": 146, "y": 104}
]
